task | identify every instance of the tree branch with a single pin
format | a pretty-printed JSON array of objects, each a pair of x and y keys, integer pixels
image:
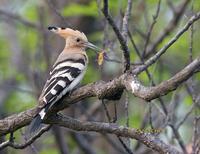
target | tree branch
[
  {"x": 109, "y": 90},
  {"x": 152, "y": 142},
  {"x": 11, "y": 142},
  {"x": 104, "y": 90},
  {"x": 126, "y": 20},
  {"x": 154, "y": 58},
  {"x": 169, "y": 28},
  {"x": 120, "y": 37}
]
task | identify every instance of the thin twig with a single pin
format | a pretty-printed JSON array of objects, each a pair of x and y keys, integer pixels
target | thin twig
[
  {"x": 195, "y": 137},
  {"x": 128, "y": 150},
  {"x": 110, "y": 121},
  {"x": 178, "y": 138},
  {"x": 58, "y": 133},
  {"x": 125, "y": 30},
  {"x": 31, "y": 146},
  {"x": 118, "y": 34},
  {"x": 83, "y": 144},
  {"x": 191, "y": 42},
  {"x": 151, "y": 28},
  {"x": 150, "y": 116},
  {"x": 26, "y": 143},
  {"x": 154, "y": 58},
  {"x": 113, "y": 143},
  {"x": 126, "y": 20},
  {"x": 106, "y": 110},
  {"x": 169, "y": 28},
  {"x": 185, "y": 117}
]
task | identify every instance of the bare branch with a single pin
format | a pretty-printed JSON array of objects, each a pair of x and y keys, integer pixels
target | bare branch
[
  {"x": 104, "y": 90},
  {"x": 11, "y": 142},
  {"x": 113, "y": 143},
  {"x": 60, "y": 140},
  {"x": 151, "y": 27},
  {"x": 178, "y": 138},
  {"x": 166, "y": 86},
  {"x": 126, "y": 20},
  {"x": 83, "y": 143},
  {"x": 118, "y": 34},
  {"x": 146, "y": 138},
  {"x": 169, "y": 28},
  {"x": 128, "y": 150},
  {"x": 154, "y": 58}
]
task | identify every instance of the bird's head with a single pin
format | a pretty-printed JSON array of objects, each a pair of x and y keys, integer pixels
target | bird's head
[{"x": 74, "y": 38}]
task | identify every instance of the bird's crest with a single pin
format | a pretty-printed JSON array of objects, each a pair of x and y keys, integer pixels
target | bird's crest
[{"x": 65, "y": 32}]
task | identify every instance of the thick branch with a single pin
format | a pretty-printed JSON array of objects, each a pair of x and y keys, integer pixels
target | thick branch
[
  {"x": 105, "y": 90},
  {"x": 149, "y": 140},
  {"x": 150, "y": 93}
]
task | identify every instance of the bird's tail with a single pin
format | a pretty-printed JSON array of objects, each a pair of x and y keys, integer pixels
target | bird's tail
[{"x": 36, "y": 123}]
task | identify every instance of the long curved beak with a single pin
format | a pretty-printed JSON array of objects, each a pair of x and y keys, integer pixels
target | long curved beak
[{"x": 92, "y": 46}]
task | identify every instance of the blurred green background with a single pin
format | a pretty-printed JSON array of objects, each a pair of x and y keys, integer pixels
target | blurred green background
[{"x": 28, "y": 50}]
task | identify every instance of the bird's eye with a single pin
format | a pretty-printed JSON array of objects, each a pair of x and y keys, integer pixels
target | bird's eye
[{"x": 78, "y": 40}]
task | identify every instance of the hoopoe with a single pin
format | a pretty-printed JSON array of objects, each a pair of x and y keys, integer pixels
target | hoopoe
[{"x": 66, "y": 73}]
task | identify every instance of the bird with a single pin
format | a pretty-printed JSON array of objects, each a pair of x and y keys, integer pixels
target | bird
[{"x": 66, "y": 73}]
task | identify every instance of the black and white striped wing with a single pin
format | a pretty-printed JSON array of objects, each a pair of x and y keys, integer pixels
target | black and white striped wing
[{"x": 64, "y": 76}]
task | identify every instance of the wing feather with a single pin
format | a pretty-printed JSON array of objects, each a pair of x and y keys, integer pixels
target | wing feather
[{"x": 61, "y": 77}]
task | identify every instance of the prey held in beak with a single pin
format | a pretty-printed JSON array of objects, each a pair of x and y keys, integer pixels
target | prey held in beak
[{"x": 101, "y": 54}]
